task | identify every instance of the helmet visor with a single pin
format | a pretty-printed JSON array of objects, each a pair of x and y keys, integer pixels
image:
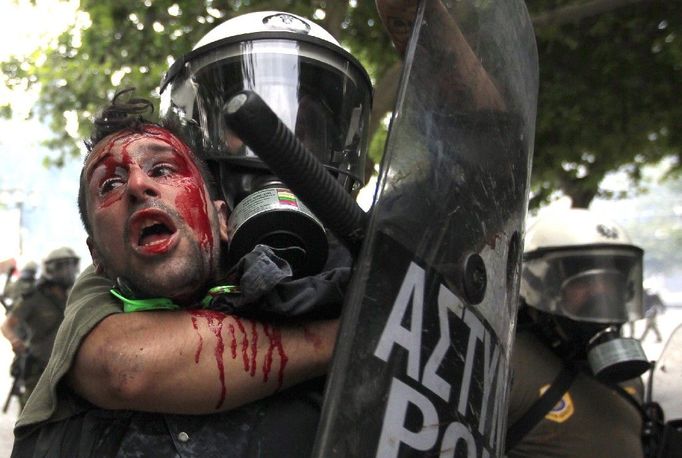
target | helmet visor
[
  {"x": 317, "y": 92},
  {"x": 601, "y": 284}
]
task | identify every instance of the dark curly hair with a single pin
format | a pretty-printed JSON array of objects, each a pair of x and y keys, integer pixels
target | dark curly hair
[{"x": 126, "y": 112}]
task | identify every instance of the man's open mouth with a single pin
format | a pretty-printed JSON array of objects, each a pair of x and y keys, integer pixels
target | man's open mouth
[
  {"x": 152, "y": 230},
  {"x": 153, "y": 234}
]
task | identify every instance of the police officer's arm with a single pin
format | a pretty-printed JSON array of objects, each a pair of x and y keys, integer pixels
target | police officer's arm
[
  {"x": 398, "y": 17},
  {"x": 194, "y": 363},
  {"x": 9, "y": 330}
]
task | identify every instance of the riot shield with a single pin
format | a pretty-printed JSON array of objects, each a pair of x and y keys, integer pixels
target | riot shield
[
  {"x": 667, "y": 377},
  {"x": 421, "y": 366}
]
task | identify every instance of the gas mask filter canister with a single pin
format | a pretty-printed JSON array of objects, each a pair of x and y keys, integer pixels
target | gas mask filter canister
[
  {"x": 274, "y": 216},
  {"x": 613, "y": 358}
]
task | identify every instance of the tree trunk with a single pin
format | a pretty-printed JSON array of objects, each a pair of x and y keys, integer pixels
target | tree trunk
[
  {"x": 580, "y": 194},
  {"x": 385, "y": 91},
  {"x": 335, "y": 13}
]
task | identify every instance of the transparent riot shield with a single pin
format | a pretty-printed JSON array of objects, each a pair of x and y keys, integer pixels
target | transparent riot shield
[
  {"x": 422, "y": 360},
  {"x": 667, "y": 377}
]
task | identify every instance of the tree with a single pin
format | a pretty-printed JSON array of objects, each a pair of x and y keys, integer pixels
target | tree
[
  {"x": 132, "y": 43},
  {"x": 609, "y": 95},
  {"x": 608, "y": 72}
]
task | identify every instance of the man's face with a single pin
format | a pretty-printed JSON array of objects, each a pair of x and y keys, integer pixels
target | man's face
[
  {"x": 596, "y": 295},
  {"x": 64, "y": 271},
  {"x": 153, "y": 222}
]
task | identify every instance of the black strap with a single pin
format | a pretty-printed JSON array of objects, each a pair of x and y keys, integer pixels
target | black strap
[
  {"x": 623, "y": 393},
  {"x": 540, "y": 407}
]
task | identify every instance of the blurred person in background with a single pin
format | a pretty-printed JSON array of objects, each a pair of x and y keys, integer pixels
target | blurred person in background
[
  {"x": 13, "y": 291},
  {"x": 653, "y": 305},
  {"x": 26, "y": 281},
  {"x": 31, "y": 324}
]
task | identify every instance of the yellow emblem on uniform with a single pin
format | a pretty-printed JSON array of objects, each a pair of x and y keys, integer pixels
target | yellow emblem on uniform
[
  {"x": 562, "y": 410},
  {"x": 631, "y": 390}
]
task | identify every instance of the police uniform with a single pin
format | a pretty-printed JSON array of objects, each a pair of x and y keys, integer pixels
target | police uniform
[
  {"x": 40, "y": 312},
  {"x": 591, "y": 419},
  {"x": 18, "y": 288},
  {"x": 57, "y": 422}
]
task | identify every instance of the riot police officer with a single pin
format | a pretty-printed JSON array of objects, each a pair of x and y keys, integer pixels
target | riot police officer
[
  {"x": 581, "y": 281},
  {"x": 39, "y": 312},
  {"x": 23, "y": 284}
]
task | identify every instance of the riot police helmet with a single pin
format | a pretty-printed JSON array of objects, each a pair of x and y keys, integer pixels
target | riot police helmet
[
  {"x": 582, "y": 266},
  {"x": 61, "y": 266},
  {"x": 29, "y": 270},
  {"x": 317, "y": 88}
]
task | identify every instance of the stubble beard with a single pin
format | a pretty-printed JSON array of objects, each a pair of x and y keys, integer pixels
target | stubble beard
[{"x": 181, "y": 277}]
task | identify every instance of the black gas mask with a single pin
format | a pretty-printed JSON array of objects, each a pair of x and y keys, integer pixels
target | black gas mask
[
  {"x": 611, "y": 357},
  {"x": 265, "y": 211},
  {"x": 585, "y": 294},
  {"x": 318, "y": 91}
]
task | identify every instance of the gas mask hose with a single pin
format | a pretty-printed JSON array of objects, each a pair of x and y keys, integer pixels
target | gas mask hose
[{"x": 260, "y": 128}]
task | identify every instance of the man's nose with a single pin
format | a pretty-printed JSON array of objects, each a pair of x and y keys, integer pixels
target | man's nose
[{"x": 140, "y": 185}]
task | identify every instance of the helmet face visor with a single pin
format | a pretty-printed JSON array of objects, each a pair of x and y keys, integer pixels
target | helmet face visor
[
  {"x": 62, "y": 271},
  {"x": 319, "y": 94},
  {"x": 600, "y": 284}
]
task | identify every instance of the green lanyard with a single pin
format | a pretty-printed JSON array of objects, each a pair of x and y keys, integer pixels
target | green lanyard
[{"x": 163, "y": 303}]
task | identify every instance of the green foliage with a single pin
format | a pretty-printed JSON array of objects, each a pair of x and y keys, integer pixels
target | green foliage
[
  {"x": 609, "y": 83},
  {"x": 609, "y": 97},
  {"x": 377, "y": 144},
  {"x": 132, "y": 43}
]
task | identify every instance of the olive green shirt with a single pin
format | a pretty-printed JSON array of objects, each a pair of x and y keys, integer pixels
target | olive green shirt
[
  {"x": 89, "y": 303},
  {"x": 591, "y": 420}
]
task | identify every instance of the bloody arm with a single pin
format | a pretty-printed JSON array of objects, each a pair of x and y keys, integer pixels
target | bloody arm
[{"x": 195, "y": 362}]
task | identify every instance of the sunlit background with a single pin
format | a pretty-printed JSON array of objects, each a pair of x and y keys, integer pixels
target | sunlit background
[{"x": 38, "y": 205}]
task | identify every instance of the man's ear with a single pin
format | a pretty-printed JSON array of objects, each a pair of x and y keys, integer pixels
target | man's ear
[
  {"x": 94, "y": 254},
  {"x": 223, "y": 214}
]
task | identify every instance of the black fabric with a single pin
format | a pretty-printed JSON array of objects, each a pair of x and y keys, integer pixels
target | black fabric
[
  {"x": 540, "y": 407},
  {"x": 268, "y": 291},
  {"x": 671, "y": 442},
  {"x": 283, "y": 425}
]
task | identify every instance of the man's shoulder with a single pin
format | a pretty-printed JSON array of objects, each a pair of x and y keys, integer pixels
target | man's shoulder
[
  {"x": 534, "y": 368},
  {"x": 91, "y": 290}
]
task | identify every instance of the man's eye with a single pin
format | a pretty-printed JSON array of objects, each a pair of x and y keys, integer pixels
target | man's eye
[
  {"x": 109, "y": 185},
  {"x": 162, "y": 170}
]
